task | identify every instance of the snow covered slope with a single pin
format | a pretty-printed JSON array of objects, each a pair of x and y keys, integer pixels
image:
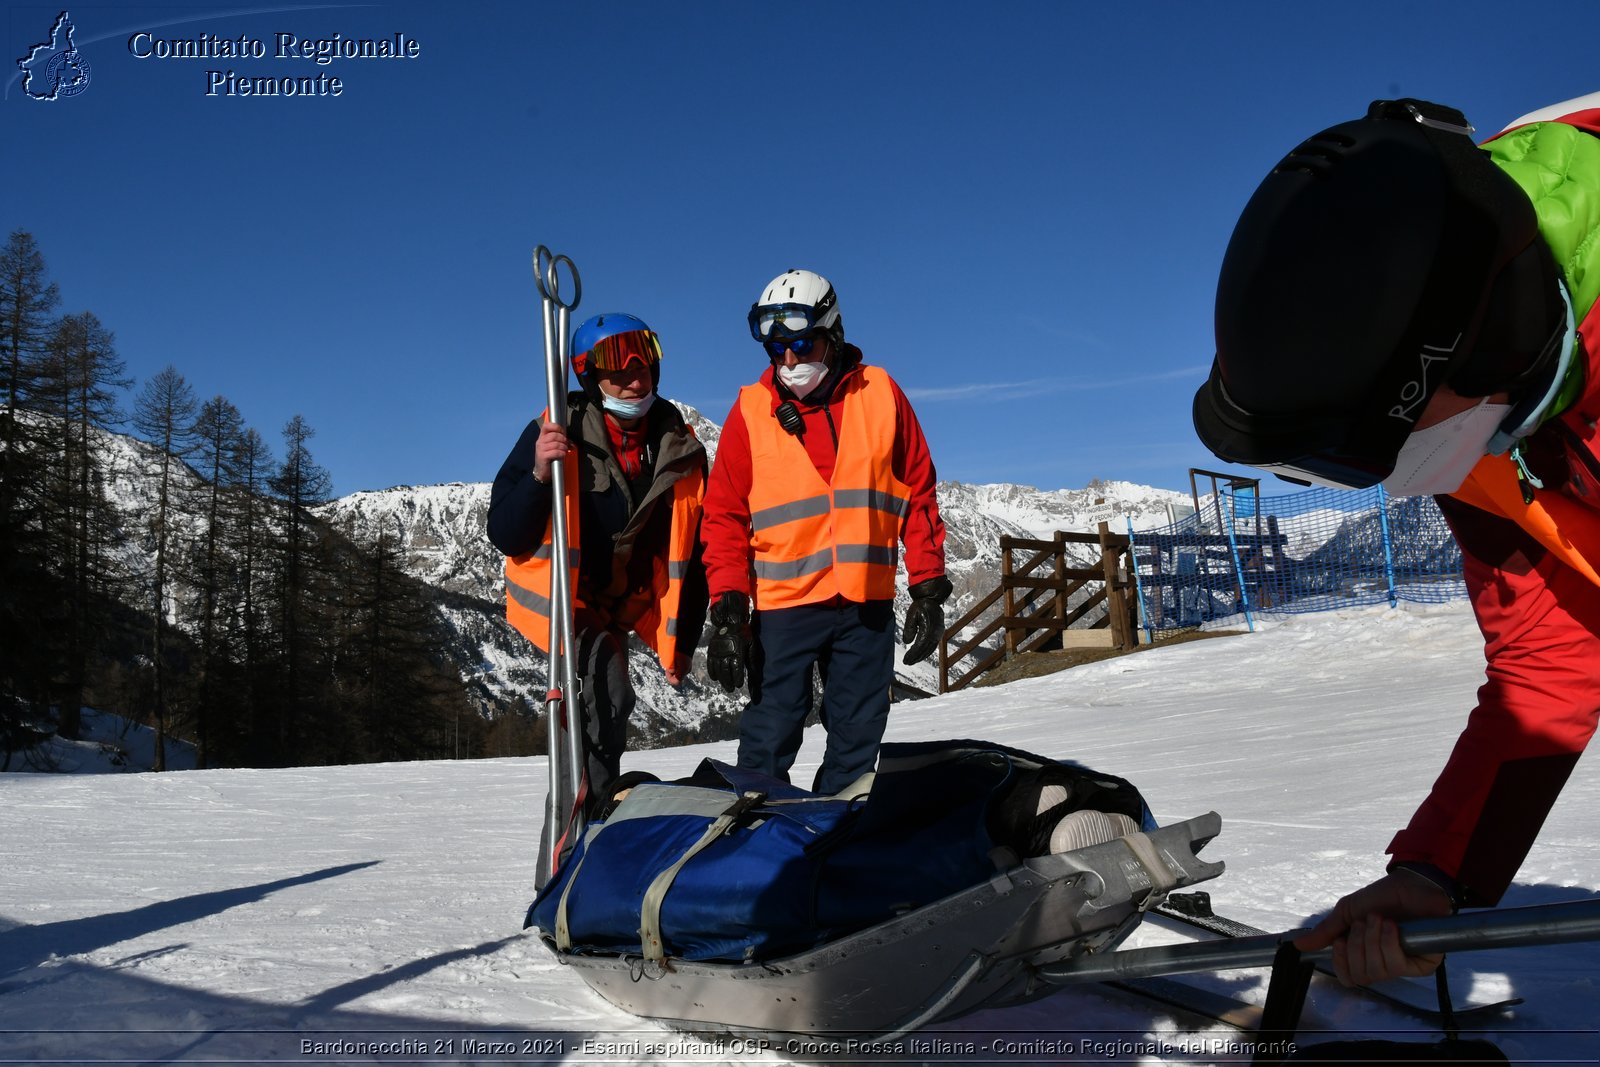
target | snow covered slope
[
  {"x": 246, "y": 913},
  {"x": 106, "y": 744}
]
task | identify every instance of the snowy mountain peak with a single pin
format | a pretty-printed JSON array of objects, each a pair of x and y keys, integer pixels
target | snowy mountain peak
[{"x": 440, "y": 534}]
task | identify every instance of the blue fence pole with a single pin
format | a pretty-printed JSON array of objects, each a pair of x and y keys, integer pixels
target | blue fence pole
[
  {"x": 1388, "y": 543},
  {"x": 1138, "y": 585},
  {"x": 1238, "y": 569}
]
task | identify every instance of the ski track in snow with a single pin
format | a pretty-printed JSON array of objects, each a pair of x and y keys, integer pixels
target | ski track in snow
[{"x": 235, "y": 914}]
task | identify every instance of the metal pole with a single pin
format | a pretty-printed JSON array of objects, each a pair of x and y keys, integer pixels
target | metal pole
[
  {"x": 1388, "y": 544},
  {"x": 563, "y": 814},
  {"x": 1544, "y": 924},
  {"x": 555, "y": 799},
  {"x": 1233, "y": 549},
  {"x": 562, "y": 618},
  {"x": 1138, "y": 585}
]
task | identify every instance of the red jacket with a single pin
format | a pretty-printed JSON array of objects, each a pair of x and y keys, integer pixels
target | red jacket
[
  {"x": 725, "y": 523},
  {"x": 1533, "y": 572}
]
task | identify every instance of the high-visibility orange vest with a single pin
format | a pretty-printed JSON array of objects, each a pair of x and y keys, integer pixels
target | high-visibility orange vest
[
  {"x": 814, "y": 540},
  {"x": 651, "y": 613},
  {"x": 1569, "y": 222},
  {"x": 1566, "y": 527}
]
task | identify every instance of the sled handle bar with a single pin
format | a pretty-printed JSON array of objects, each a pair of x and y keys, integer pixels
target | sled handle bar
[{"x": 1541, "y": 924}]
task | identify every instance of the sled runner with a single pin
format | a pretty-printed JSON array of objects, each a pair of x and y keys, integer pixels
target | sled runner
[{"x": 735, "y": 903}]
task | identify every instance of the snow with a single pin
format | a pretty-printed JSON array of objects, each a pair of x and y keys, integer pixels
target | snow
[
  {"x": 241, "y": 914},
  {"x": 106, "y": 743}
]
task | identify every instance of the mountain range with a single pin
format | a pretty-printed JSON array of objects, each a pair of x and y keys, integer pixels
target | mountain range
[{"x": 440, "y": 530}]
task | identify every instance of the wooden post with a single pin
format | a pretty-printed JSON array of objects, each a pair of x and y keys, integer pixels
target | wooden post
[
  {"x": 944, "y": 662},
  {"x": 1060, "y": 576},
  {"x": 1117, "y": 616},
  {"x": 1008, "y": 604}
]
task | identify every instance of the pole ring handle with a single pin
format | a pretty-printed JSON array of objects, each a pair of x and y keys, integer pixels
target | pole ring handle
[{"x": 546, "y": 266}]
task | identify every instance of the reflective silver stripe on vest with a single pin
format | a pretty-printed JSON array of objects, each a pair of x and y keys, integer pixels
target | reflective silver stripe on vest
[
  {"x": 780, "y": 570},
  {"x": 778, "y": 514},
  {"x": 539, "y": 605},
  {"x": 672, "y": 626},
  {"x": 677, "y": 569},
  {"x": 868, "y": 554},
  {"x": 876, "y": 499}
]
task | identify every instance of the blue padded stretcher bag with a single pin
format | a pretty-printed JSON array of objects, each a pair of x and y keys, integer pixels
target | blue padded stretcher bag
[{"x": 733, "y": 865}]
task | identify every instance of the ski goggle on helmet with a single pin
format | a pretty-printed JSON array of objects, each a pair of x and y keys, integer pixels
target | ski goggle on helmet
[
  {"x": 611, "y": 342},
  {"x": 1379, "y": 260},
  {"x": 794, "y": 308}
]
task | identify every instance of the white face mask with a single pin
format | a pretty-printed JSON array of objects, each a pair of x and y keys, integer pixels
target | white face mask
[
  {"x": 1439, "y": 458},
  {"x": 626, "y": 409},
  {"x": 802, "y": 378}
]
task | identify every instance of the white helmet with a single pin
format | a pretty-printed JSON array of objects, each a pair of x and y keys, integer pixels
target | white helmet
[{"x": 794, "y": 304}]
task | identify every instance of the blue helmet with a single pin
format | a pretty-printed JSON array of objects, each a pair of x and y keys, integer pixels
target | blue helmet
[{"x": 610, "y": 342}]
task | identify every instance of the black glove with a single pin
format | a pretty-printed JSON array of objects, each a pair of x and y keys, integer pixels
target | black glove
[
  {"x": 729, "y": 650},
  {"x": 925, "y": 619}
]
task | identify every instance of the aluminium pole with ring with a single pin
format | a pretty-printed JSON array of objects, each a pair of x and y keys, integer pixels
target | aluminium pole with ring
[{"x": 563, "y": 732}]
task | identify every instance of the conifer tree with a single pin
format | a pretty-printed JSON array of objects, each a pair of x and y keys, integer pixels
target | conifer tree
[
  {"x": 27, "y": 304},
  {"x": 247, "y": 628},
  {"x": 219, "y": 453},
  {"x": 164, "y": 413},
  {"x": 27, "y": 300},
  {"x": 392, "y": 671},
  {"x": 298, "y": 485},
  {"x": 79, "y": 392}
]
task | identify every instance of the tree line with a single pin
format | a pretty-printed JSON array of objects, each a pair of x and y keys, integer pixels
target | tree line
[{"x": 219, "y": 609}]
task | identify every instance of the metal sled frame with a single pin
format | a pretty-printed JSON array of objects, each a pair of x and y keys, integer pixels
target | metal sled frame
[{"x": 979, "y": 948}]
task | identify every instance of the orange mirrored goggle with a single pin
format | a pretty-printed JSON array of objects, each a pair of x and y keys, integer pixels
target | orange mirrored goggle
[{"x": 617, "y": 351}]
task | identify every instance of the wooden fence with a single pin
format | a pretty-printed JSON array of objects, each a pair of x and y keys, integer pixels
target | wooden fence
[{"x": 1037, "y": 585}]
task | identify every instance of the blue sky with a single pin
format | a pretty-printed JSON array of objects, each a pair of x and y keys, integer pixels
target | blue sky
[{"x": 1022, "y": 206}]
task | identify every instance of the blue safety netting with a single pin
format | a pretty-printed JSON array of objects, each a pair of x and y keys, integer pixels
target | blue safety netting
[{"x": 1244, "y": 554}]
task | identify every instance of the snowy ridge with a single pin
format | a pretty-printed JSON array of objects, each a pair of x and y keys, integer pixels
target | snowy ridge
[
  {"x": 707, "y": 431},
  {"x": 439, "y": 528},
  {"x": 440, "y": 531},
  {"x": 131, "y": 470}
]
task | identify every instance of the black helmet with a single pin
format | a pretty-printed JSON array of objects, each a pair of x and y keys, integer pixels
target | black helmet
[{"x": 1379, "y": 260}]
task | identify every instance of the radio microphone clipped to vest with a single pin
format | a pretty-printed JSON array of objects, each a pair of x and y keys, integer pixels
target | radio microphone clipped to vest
[{"x": 789, "y": 417}]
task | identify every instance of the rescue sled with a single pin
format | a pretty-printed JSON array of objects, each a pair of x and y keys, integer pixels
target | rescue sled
[
  {"x": 978, "y": 948},
  {"x": 738, "y": 903}
]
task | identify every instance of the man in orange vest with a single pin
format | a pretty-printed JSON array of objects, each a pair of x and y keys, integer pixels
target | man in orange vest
[
  {"x": 1400, "y": 306},
  {"x": 822, "y": 473},
  {"x": 635, "y": 477}
]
